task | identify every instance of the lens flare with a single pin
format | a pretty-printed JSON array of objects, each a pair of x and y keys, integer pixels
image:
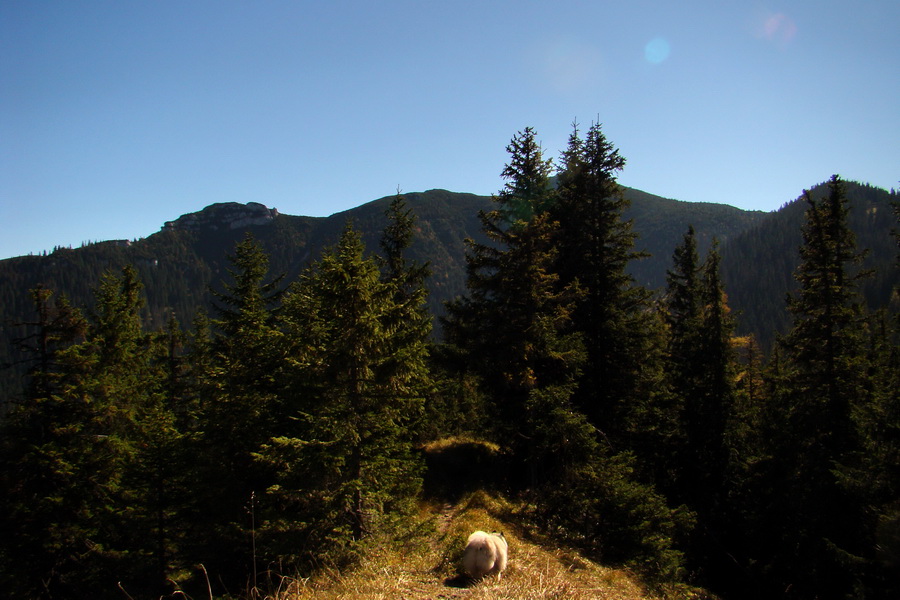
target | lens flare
[
  {"x": 569, "y": 65},
  {"x": 657, "y": 50},
  {"x": 778, "y": 28}
]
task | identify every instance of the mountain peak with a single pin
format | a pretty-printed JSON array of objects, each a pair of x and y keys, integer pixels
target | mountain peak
[{"x": 224, "y": 216}]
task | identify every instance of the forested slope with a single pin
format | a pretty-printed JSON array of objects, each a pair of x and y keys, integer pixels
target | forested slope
[
  {"x": 181, "y": 262},
  {"x": 758, "y": 263},
  {"x": 178, "y": 265}
]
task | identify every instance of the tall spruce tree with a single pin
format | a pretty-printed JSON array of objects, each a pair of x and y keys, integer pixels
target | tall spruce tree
[
  {"x": 239, "y": 407},
  {"x": 684, "y": 365},
  {"x": 819, "y": 539},
  {"x": 57, "y": 325},
  {"x": 876, "y": 478},
  {"x": 708, "y": 418},
  {"x": 712, "y": 416},
  {"x": 683, "y": 310},
  {"x": 514, "y": 323},
  {"x": 348, "y": 465},
  {"x": 702, "y": 367},
  {"x": 41, "y": 458},
  {"x": 115, "y": 376},
  {"x": 76, "y": 495},
  {"x": 408, "y": 321},
  {"x": 595, "y": 244},
  {"x": 245, "y": 348},
  {"x": 163, "y": 465}
]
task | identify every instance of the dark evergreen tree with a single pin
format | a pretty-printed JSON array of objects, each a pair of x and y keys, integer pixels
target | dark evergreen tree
[
  {"x": 708, "y": 417},
  {"x": 685, "y": 366},
  {"x": 239, "y": 407},
  {"x": 514, "y": 324},
  {"x": 744, "y": 432},
  {"x": 114, "y": 376},
  {"x": 683, "y": 308},
  {"x": 159, "y": 513},
  {"x": 58, "y": 324},
  {"x": 348, "y": 465},
  {"x": 408, "y": 322},
  {"x": 815, "y": 538},
  {"x": 75, "y": 496},
  {"x": 619, "y": 386},
  {"x": 40, "y": 530},
  {"x": 702, "y": 368},
  {"x": 876, "y": 478},
  {"x": 708, "y": 411}
]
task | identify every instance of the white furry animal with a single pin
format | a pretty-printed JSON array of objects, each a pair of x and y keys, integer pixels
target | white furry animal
[{"x": 485, "y": 554}]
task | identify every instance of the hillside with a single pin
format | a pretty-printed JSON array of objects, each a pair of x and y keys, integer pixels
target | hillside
[
  {"x": 662, "y": 222},
  {"x": 181, "y": 262},
  {"x": 424, "y": 564},
  {"x": 759, "y": 262},
  {"x": 187, "y": 257}
]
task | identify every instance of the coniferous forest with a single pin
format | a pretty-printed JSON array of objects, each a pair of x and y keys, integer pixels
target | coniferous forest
[{"x": 281, "y": 430}]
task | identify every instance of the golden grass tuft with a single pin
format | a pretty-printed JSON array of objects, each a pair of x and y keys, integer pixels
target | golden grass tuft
[{"x": 451, "y": 442}]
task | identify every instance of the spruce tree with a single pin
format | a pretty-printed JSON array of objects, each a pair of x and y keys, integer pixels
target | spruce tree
[
  {"x": 595, "y": 245},
  {"x": 41, "y": 454},
  {"x": 516, "y": 329},
  {"x": 683, "y": 310},
  {"x": 684, "y": 365},
  {"x": 702, "y": 369},
  {"x": 57, "y": 324},
  {"x": 747, "y": 440},
  {"x": 708, "y": 418},
  {"x": 347, "y": 465},
  {"x": 408, "y": 321},
  {"x": 114, "y": 375},
  {"x": 239, "y": 409},
  {"x": 717, "y": 336},
  {"x": 76, "y": 497},
  {"x": 823, "y": 384},
  {"x": 245, "y": 347},
  {"x": 708, "y": 407},
  {"x": 876, "y": 478},
  {"x": 514, "y": 324},
  {"x": 163, "y": 465}
]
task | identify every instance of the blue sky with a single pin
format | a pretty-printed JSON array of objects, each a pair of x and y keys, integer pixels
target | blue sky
[{"x": 117, "y": 116}]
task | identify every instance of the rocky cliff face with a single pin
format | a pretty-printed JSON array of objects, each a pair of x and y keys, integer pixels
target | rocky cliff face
[{"x": 224, "y": 216}]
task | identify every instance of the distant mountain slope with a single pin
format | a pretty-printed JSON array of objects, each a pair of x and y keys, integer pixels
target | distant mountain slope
[
  {"x": 758, "y": 263},
  {"x": 180, "y": 263},
  {"x": 661, "y": 224}
]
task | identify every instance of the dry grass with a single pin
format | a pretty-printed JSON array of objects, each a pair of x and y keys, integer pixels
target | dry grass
[
  {"x": 452, "y": 442},
  {"x": 424, "y": 565}
]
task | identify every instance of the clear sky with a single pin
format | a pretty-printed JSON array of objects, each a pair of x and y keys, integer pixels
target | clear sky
[{"x": 116, "y": 116}]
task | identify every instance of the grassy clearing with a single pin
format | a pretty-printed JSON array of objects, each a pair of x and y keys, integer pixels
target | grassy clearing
[{"x": 423, "y": 564}]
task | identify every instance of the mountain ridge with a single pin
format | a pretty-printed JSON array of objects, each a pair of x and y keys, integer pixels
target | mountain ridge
[{"x": 186, "y": 257}]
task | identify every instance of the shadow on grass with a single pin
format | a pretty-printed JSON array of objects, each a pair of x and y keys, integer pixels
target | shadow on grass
[
  {"x": 455, "y": 468},
  {"x": 460, "y": 581}
]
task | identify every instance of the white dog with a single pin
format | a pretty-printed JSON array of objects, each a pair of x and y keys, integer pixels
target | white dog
[{"x": 486, "y": 553}]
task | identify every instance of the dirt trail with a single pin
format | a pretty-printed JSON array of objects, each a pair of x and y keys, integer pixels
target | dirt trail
[{"x": 445, "y": 516}]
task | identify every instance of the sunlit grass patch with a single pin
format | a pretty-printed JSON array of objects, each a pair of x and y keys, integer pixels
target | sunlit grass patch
[{"x": 423, "y": 562}]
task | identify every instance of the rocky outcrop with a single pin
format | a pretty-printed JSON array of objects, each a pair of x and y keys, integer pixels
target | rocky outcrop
[{"x": 224, "y": 216}]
